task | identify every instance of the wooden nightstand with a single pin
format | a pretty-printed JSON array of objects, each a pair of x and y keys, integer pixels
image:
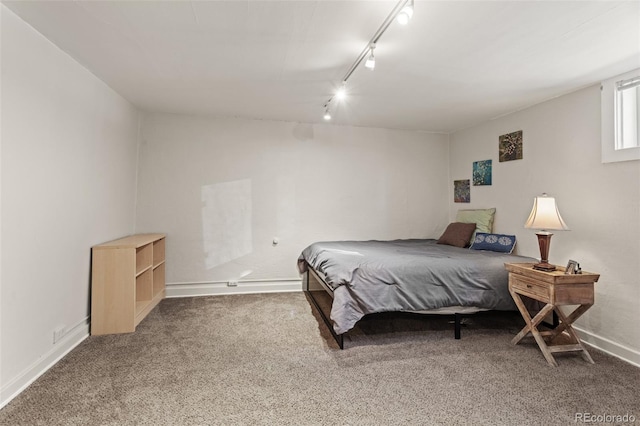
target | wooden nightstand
[{"x": 556, "y": 289}]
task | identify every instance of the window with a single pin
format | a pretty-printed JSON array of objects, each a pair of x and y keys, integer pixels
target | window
[
  {"x": 620, "y": 98},
  {"x": 627, "y": 113}
]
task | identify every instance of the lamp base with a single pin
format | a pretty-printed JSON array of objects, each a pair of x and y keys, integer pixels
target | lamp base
[
  {"x": 544, "y": 241},
  {"x": 544, "y": 266}
]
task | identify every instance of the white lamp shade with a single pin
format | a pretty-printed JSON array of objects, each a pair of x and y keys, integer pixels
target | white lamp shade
[{"x": 545, "y": 215}]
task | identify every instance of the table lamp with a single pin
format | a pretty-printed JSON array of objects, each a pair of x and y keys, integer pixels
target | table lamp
[{"x": 545, "y": 217}]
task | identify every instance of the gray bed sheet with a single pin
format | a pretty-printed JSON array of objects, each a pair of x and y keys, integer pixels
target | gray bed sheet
[{"x": 407, "y": 275}]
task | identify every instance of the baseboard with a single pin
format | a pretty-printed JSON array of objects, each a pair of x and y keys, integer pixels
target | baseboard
[
  {"x": 243, "y": 287},
  {"x": 612, "y": 348},
  {"x": 72, "y": 338}
]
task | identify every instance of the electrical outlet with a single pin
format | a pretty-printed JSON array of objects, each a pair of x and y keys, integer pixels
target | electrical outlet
[
  {"x": 232, "y": 284},
  {"x": 58, "y": 334}
]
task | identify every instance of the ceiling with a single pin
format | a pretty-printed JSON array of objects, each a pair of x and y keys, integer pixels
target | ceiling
[{"x": 456, "y": 64}]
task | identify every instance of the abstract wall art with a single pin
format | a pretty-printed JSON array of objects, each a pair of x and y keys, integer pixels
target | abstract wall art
[
  {"x": 461, "y": 191},
  {"x": 510, "y": 146},
  {"x": 482, "y": 172}
]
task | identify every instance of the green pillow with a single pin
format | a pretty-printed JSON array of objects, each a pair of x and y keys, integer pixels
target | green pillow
[{"x": 483, "y": 218}]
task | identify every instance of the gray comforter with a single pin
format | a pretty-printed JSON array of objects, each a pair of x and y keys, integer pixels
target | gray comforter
[{"x": 407, "y": 275}]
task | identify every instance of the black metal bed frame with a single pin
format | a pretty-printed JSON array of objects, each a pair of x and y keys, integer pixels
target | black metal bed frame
[{"x": 339, "y": 338}]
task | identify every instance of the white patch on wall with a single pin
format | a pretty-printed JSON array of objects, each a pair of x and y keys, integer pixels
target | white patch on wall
[{"x": 226, "y": 221}]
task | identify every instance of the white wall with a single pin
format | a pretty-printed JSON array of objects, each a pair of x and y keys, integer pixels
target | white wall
[
  {"x": 222, "y": 189},
  {"x": 599, "y": 202},
  {"x": 68, "y": 174}
]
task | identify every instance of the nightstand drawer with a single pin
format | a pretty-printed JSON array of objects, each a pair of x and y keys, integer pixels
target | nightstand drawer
[
  {"x": 575, "y": 294},
  {"x": 530, "y": 288}
]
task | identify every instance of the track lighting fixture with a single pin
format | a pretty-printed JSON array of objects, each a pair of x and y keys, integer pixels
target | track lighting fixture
[
  {"x": 406, "y": 13},
  {"x": 371, "y": 60},
  {"x": 402, "y": 12}
]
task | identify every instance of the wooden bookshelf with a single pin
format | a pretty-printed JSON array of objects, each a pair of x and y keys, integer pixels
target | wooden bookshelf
[{"x": 127, "y": 282}]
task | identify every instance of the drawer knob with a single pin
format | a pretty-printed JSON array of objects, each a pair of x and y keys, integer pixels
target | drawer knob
[{"x": 528, "y": 285}]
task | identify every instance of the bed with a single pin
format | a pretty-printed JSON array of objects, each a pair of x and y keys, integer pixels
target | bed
[{"x": 347, "y": 280}]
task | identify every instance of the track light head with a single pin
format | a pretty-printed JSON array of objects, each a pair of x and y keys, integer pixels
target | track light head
[
  {"x": 327, "y": 115},
  {"x": 405, "y": 14},
  {"x": 342, "y": 91},
  {"x": 371, "y": 60}
]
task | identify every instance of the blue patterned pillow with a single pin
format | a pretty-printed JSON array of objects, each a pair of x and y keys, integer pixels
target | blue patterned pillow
[{"x": 494, "y": 242}]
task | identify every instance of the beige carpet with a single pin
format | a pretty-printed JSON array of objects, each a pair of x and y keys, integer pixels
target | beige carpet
[{"x": 267, "y": 359}]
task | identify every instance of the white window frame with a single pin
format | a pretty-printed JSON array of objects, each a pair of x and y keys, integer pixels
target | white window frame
[{"x": 609, "y": 122}]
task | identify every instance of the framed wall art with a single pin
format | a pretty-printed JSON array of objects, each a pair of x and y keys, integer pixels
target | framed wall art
[
  {"x": 510, "y": 146},
  {"x": 482, "y": 172},
  {"x": 461, "y": 191}
]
